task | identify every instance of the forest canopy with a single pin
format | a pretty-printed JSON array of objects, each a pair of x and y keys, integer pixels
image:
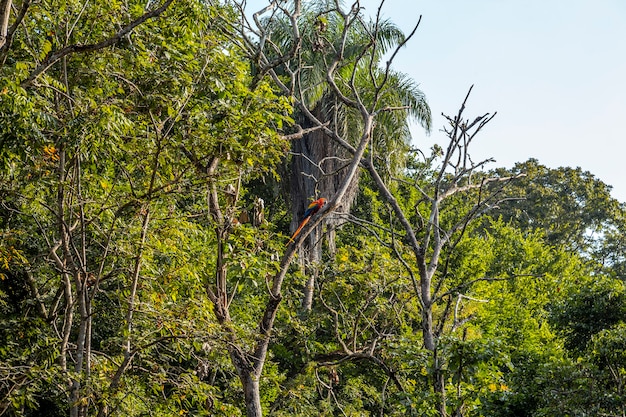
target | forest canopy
[{"x": 156, "y": 157}]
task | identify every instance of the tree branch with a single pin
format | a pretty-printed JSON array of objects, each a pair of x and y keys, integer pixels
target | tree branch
[
  {"x": 302, "y": 132},
  {"x": 54, "y": 56}
]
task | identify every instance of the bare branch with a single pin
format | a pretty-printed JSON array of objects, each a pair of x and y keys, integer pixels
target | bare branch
[
  {"x": 456, "y": 322},
  {"x": 459, "y": 189},
  {"x": 397, "y": 49},
  {"x": 302, "y": 132}
]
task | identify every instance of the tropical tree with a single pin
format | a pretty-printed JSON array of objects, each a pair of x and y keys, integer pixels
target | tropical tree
[
  {"x": 455, "y": 176},
  {"x": 103, "y": 204},
  {"x": 143, "y": 267},
  {"x": 317, "y": 165},
  {"x": 571, "y": 206}
]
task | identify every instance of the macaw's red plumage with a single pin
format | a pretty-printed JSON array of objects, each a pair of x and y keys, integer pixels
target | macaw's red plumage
[{"x": 310, "y": 211}]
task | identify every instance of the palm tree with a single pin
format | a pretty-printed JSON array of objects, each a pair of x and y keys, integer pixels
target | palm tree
[{"x": 316, "y": 166}]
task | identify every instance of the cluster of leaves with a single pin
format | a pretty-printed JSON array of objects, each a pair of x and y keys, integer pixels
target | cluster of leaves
[{"x": 108, "y": 240}]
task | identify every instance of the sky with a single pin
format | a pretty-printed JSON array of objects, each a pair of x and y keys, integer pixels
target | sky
[{"x": 553, "y": 70}]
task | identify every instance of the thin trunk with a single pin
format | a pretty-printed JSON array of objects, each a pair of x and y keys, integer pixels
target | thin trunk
[
  {"x": 32, "y": 285},
  {"x": 427, "y": 328},
  {"x": 312, "y": 271},
  {"x": 439, "y": 387},
  {"x": 81, "y": 343},
  {"x": 80, "y": 279},
  {"x": 309, "y": 289},
  {"x": 252, "y": 395},
  {"x": 220, "y": 269},
  {"x": 67, "y": 329},
  {"x": 440, "y": 392},
  {"x": 67, "y": 320},
  {"x": 135, "y": 282},
  {"x": 5, "y": 12},
  {"x": 331, "y": 239},
  {"x": 88, "y": 341},
  {"x": 65, "y": 263},
  {"x": 248, "y": 366}
]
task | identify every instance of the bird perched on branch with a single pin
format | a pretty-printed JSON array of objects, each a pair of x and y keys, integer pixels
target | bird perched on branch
[{"x": 310, "y": 211}]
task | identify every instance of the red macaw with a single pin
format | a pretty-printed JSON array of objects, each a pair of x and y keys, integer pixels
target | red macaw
[{"x": 310, "y": 211}]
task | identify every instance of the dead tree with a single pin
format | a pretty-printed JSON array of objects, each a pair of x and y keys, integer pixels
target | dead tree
[{"x": 456, "y": 174}]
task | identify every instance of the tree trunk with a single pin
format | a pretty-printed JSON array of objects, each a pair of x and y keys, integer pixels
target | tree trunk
[
  {"x": 439, "y": 387},
  {"x": 252, "y": 394},
  {"x": 318, "y": 169},
  {"x": 440, "y": 392},
  {"x": 248, "y": 373},
  {"x": 309, "y": 289},
  {"x": 5, "y": 12},
  {"x": 76, "y": 408},
  {"x": 311, "y": 269},
  {"x": 427, "y": 327}
]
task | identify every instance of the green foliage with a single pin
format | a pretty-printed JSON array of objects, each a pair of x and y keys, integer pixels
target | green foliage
[
  {"x": 111, "y": 164},
  {"x": 588, "y": 307},
  {"x": 100, "y": 153},
  {"x": 572, "y": 207},
  {"x": 360, "y": 75}
]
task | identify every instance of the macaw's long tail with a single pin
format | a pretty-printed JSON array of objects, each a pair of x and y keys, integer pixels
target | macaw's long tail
[{"x": 302, "y": 224}]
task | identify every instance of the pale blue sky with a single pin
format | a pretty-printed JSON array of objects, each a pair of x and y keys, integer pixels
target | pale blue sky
[{"x": 554, "y": 70}]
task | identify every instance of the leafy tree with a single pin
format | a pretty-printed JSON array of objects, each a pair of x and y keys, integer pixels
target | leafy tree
[
  {"x": 588, "y": 307},
  {"x": 608, "y": 354},
  {"x": 102, "y": 193},
  {"x": 449, "y": 201},
  {"x": 452, "y": 185},
  {"x": 572, "y": 207}
]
